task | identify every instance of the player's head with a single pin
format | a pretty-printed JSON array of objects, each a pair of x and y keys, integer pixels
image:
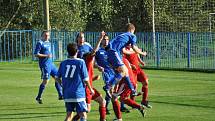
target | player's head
[
  {"x": 105, "y": 41},
  {"x": 45, "y": 35},
  {"x": 72, "y": 49},
  {"x": 128, "y": 46},
  {"x": 130, "y": 27},
  {"x": 80, "y": 38}
]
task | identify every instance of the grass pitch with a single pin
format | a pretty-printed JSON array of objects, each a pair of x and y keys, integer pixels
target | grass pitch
[{"x": 174, "y": 95}]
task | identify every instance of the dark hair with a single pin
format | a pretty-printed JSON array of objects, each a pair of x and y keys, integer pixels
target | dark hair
[
  {"x": 72, "y": 49},
  {"x": 45, "y": 31},
  {"x": 129, "y": 26},
  {"x": 79, "y": 34}
]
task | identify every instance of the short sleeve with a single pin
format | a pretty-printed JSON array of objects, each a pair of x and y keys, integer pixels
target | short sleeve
[
  {"x": 133, "y": 39},
  {"x": 38, "y": 48}
]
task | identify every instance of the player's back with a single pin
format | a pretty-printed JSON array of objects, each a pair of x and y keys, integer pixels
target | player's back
[
  {"x": 73, "y": 73},
  {"x": 122, "y": 40}
]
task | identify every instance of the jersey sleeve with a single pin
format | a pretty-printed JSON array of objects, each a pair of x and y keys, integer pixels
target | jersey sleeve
[
  {"x": 38, "y": 48},
  {"x": 84, "y": 72},
  {"x": 133, "y": 39}
]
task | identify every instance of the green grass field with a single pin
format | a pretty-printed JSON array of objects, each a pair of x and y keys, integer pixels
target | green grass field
[{"x": 174, "y": 95}]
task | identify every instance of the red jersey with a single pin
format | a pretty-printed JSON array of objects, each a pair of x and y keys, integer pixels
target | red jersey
[
  {"x": 130, "y": 71},
  {"x": 138, "y": 73},
  {"x": 89, "y": 60},
  {"x": 133, "y": 59}
]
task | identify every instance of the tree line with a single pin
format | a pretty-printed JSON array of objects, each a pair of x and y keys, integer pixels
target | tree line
[{"x": 108, "y": 15}]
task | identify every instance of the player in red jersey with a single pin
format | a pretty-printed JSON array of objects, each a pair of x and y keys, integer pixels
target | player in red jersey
[
  {"x": 89, "y": 60},
  {"x": 139, "y": 74},
  {"x": 124, "y": 91}
]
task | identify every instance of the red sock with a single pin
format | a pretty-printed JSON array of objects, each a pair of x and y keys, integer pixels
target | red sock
[
  {"x": 145, "y": 94},
  {"x": 102, "y": 112},
  {"x": 116, "y": 108},
  {"x": 76, "y": 117},
  {"x": 131, "y": 103}
]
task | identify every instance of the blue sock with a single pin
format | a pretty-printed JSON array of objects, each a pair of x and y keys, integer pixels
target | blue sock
[
  {"x": 128, "y": 82},
  {"x": 41, "y": 89},
  {"x": 107, "y": 99},
  {"x": 59, "y": 89},
  {"x": 83, "y": 119},
  {"x": 122, "y": 105}
]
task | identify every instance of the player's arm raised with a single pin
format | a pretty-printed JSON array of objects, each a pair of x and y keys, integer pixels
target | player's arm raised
[{"x": 98, "y": 43}]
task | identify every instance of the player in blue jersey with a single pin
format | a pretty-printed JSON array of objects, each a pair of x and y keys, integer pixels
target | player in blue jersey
[
  {"x": 47, "y": 67},
  {"x": 114, "y": 52},
  {"x": 108, "y": 75},
  {"x": 83, "y": 46},
  {"x": 73, "y": 72},
  {"x": 107, "y": 71}
]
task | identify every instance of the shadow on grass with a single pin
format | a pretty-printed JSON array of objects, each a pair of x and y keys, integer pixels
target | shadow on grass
[
  {"x": 180, "y": 104},
  {"x": 28, "y": 115},
  {"x": 27, "y": 108}
]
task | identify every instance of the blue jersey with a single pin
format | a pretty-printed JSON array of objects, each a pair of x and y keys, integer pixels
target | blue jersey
[
  {"x": 121, "y": 41},
  {"x": 73, "y": 73},
  {"x": 85, "y": 48},
  {"x": 101, "y": 58},
  {"x": 43, "y": 47}
]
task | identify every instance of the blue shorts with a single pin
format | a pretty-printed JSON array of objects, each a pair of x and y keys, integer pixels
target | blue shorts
[
  {"x": 108, "y": 75},
  {"x": 110, "y": 78},
  {"x": 76, "y": 106},
  {"x": 114, "y": 58},
  {"x": 47, "y": 71}
]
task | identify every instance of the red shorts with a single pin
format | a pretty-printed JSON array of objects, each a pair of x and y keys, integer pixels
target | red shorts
[
  {"x": 123, "y": 90},
  {"x": 90, "y": 97},
  {"x": 140, "y": 75}
]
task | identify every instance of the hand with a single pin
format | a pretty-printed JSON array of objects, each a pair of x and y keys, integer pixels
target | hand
[
  {"x": 92, "y": 91},
  {"x": 49, "y": 55},
  {"x": 143, "y": 63},
  {"x": 102, "y": 34},
  {"x": 101, "y": 69},
  {"x": 144, "y": 53}
]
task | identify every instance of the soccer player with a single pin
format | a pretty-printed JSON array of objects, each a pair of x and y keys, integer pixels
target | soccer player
[
  {"x": 74, "y": 76},
  {"x": 89, "y": 60},
  {"x": 140, "y": 75},
  {"x": 107, "y": 71},
  {"x": 83, "y": 46},
  {"x": 124, "y": 91},
  {"x": 108, "y": 75},
  {"x": 47, "y": 67},
  {"x": 114, "y": 52}
]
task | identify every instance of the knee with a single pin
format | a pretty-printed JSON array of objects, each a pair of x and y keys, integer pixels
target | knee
[
  {"x": 145, "y": 83},
  {"x": 45, "y": 82},
  {"x": 102, "y": 102}
]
